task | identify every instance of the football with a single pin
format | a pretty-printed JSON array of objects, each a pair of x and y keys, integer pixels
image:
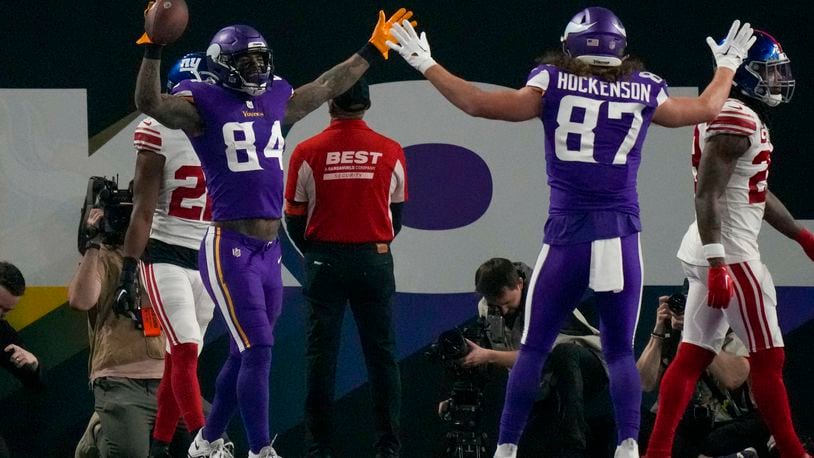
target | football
[{"x": 166, "y": 21}]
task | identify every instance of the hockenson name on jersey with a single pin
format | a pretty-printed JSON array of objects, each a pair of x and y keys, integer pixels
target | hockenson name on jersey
[{"x": 587, "y": 85}]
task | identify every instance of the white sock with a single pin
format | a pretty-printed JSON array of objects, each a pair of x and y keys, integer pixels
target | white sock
[{"x": 506, "y": 451}]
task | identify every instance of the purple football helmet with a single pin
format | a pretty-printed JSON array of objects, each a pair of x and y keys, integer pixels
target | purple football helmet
[
  {"x": 765, "y": 74},
  {"x": 595, "y": 36},
  {"x": 240, "y": 59}
]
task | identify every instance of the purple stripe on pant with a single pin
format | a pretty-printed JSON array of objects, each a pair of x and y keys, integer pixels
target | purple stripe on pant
[{"x": 560, "y": 279}]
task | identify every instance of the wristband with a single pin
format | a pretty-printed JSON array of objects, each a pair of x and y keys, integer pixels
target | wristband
[
  {"x": 370, "y": 53},
  {"x": 714, "y": 250},
  {"x": 660, "y": 336},
  {"x": 152, "y": 51}
]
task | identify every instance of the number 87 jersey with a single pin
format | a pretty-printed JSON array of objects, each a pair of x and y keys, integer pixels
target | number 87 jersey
[
  {"x": 182, "y": 212},
  {"x": 594, "y": 131},
  {"x": 745, "y": 195}
]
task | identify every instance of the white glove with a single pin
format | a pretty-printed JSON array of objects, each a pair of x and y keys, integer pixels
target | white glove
[
  {"x": 414, "y": 49},
  {"x": 732, "y": 51}
]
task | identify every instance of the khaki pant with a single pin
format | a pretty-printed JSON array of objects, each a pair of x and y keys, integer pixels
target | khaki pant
[{"x": 126, "y": 411}]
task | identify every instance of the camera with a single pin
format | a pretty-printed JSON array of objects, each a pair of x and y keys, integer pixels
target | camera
[
  {"x": 677, "y": 303},
  {"x": 465, "y": 438},
  {"x": 117, "y": 204}
]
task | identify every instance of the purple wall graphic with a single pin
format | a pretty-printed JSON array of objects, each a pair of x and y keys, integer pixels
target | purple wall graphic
[{"x": 449, "y": 186}]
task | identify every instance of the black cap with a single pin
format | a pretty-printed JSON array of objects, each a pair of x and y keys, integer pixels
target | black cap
[{"x": 357, "y": 98}]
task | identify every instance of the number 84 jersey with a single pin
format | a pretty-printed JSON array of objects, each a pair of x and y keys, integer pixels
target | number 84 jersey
[
  {"x": 744, "y": 200},
  {"x": 182, "y": 212}
]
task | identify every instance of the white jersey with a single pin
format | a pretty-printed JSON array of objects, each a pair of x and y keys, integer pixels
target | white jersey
[
  {"x": 183, "y": 211},
  {"x": 744, "y": 201}
]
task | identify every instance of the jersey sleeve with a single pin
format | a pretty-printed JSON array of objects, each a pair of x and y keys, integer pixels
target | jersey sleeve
[
  {"x": 398, "y": 181},
  {"x": 662, "y": 92},
  {"x": 148, "y": 136},
  {"x": 540, "y": 77},
  {"x": 734, "y": 119}
]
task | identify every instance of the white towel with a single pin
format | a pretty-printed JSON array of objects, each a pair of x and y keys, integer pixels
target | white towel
[{"x": 606, "y": 266}]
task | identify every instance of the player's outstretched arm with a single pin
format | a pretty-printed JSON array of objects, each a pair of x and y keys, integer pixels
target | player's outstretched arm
[
  {"x": 509, "y": 105},
  {"x": 340, "y": 78},
  {"x": 328, "y": 85},
  {"x": 687, "y": 111},
  {"x": 173, "y": 112}
]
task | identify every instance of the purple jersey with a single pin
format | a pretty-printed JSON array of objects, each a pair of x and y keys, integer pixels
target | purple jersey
[
  {"x": 594, "y": 131},
  {"x": 241, "y": 148}
]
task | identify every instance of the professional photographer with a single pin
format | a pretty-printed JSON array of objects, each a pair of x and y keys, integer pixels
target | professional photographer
[
  {"x": 574, "y": 374},
  {"x": 126, "y": 355},
  {"x": 720, "y": 420}
]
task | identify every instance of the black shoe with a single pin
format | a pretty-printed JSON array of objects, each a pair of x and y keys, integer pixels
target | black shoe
[{"x": 159, "y": 450}]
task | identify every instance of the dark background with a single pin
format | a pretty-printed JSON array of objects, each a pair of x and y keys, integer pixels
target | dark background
[{"x": 90, "y": 44}]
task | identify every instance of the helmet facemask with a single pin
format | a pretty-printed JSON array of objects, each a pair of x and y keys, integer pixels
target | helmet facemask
[
  {"x": 241, "y": 59},
  {"x": 775, "y": 82}
]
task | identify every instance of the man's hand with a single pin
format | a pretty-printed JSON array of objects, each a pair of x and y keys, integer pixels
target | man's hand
[
  {"x": 93, "y": 230},
  {"x": 663, "y": 315},
  {"x": 732, "y": 51},
  {"x": 21, "y": 357},
  {"x": 806, "y": 240},
  {"x": 125, "y": 299},
  {"x": 414, "y": 49},
  {"x": 381, "y": 33},
  {"x": 720, "y": 286},
  {"x": 477, "y": 355}
]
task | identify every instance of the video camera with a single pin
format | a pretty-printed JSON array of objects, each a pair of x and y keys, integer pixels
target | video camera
[
  {"x": 117, "y": 205},
  {"x": 465, "y": 439}
]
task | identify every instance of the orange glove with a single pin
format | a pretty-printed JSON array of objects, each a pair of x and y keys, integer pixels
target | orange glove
[
  {"x": 381, "y": 33},
  {"x": 144, "y": 39}
]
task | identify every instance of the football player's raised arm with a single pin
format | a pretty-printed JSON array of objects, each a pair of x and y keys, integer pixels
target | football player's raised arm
[
  {"x": 505, "y": 105},
  {"x": 687, "y": 111},
  {"x": 146, "y": 188},
  {"x": 328, "y": 85},
  {"x": 714, "y": 171},
  {"x": 173, "y": 112},
  {"x": 509, "y": 105}
]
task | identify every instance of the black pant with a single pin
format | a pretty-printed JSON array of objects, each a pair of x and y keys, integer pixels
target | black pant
[
  {"x": 559, "y": 424},
  {"x": 359, "y": 274}
]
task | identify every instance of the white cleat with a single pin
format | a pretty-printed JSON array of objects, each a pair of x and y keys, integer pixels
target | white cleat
[
  {"x": 506, "y": 451},
  {"x": 202, "y": 448},
  {"x": 627, "y": 449}
]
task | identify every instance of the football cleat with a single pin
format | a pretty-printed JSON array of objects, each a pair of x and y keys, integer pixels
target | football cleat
[{"x": 627, "y": 449}]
